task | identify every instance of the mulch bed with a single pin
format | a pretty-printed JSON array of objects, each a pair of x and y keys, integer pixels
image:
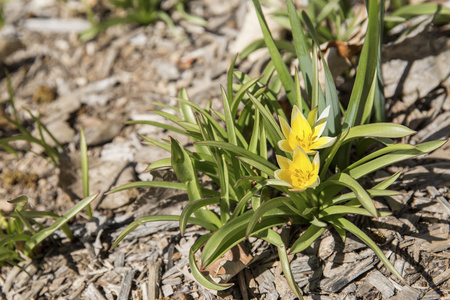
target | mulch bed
[{"x": 119, "y": 76}]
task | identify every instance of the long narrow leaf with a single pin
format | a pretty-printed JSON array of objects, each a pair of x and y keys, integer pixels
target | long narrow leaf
[
  {"x": 192, "y": 207},
  {"x": 167, "y": 218},
  {"x": 307, "y": 238},
  {"x": 392, "y": 158},
  {"x": 280, "y": 66},
  {"x": 239, "y": 151},
  {"x": 287, "y": 271},
  {"x": 196, "y": 272},
  {"x": 361, "y": 194},
  {"x": 43, "y": 234},
  {"x": 349, "y": 226}
]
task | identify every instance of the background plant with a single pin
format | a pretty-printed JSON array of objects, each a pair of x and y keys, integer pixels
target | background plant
[
  {"x": 401, "y": 13},
  {"x": 26, "y": 135},
  {"x": 22, "y": 231},
  {"x": 139, "y": 12},
  {"x": 251, "y": 201}
]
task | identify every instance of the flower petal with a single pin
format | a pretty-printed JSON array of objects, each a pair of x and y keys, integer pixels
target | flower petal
[
  {"x": 316, "y": 160},
  {"x": 318, "y": 130},
  {"x": 297, "y": 190},
  {"x": 285, "y": 146},
  {"x": 284, "y": 175},
  {"x": 283, "y": 162},
  {"x": 285, "y": 128},
  {"x": 323, "y": 142},
  {"x": 300, "y": 124},
  {"x": 301, "y": 160},
  {"x": 315, "y": 183},
  {"x": 324, "y": 115},
  {"x": 312, "y": 116}
]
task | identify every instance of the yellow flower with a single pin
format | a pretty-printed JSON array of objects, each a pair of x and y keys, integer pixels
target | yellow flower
[
  {"x": 300, "y": 172},
  {"x": 305, "y": 133}
]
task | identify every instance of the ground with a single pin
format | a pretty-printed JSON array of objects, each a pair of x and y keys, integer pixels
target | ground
[{"x": 120, "y": 76}]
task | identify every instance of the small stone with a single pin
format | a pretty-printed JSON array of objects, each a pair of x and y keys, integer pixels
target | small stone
[{"x": 167, "y": 290}]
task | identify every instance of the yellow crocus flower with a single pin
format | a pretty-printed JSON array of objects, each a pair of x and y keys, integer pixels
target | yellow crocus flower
[
  {"x": 305, "y": 133},
  {"x": 300, "y": 172}
]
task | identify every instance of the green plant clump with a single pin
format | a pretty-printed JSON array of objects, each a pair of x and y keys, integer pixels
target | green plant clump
[
  {"x": 139, "y": 12},
  {"x": 21, "y": 233},
  {"x": 315, "y": 182}
]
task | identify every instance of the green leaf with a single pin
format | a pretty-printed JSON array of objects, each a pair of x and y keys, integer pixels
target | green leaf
[
  {"x": 271, "y": 237},
  {"x": 184, "y": 169},
  {"x": 222, "y": 133},
  {"x": 148, "y": 184},
  {"x": 257, "y": 165},
  {"x": 372, "y": 193},
  {"x": 192, "y": 207},
  {"x": 160, "y": 125},
  {"x": 43, "y": 234},
  {"x": 241, "y": 93},
  {"x": 344, "y": 210},
  {"x": 287, "y": 271},
  {"x": 383, "y": 130},
  {"x": 349, "y": 226},
  {"x": 280, "y": 66},
  {"x": 392, "y": 158},
  {"x": 262, "y": 210},
  {"x": 366, "y": 69},
  {"x": 240, "y": 152},
  {"x": 387, "y": 182},
  {"x": 378, "y": 153},
  {"x": 270, "y": 122},
  {"x": 159, "y": 164},
  {"x": 167, "y": 218},
  {"x": 196, "y": 272},
  {"x": 307, "y": 238},
  {"x": 182, "y": 164},
  {"x": 233, "y": 232},
  {"x": 361, "y": 194},
  {"x": 251, "y": 193},
  {"x": 258, "y": 44},
  {"x": 302, "y": 52},
  {"x": 150, "y": 141}
]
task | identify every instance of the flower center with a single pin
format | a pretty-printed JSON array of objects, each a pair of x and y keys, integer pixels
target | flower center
[
  {"x": 301, "y": 178},
  {"x": 303, "y": 140}
]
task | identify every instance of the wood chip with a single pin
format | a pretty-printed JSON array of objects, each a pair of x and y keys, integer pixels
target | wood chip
[
  {"x": 407, "y": 293},
  {"x": 381, "y": 283},
  {"x": 93, "y": 293},
  {"x": 438, "y": 196},
  {"x": 154, "y": 269},
  {"x": 339, "y": 281},
  {"x": 126, "y": 284},
  {"x": 442, "y": 277}
]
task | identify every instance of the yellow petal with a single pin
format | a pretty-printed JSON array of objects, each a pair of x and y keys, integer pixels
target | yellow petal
[
  {"x": 324, "y": 115},
  {"x": 283, "y": 162},
  {"x": 284, "y": 175},
  {"x": 312, "y": 116},
  {"x": 300, "y": 124},
  {"x": 285, "y": 128},
  {"x": 297, "y": 190},
  {"x": 301, "y": 160},
  {"x": 318, "y": 130},
  {"x": 315, "y": 183},
  {"x": 323, "y": 142},
  {"x": 285, "y": 146}
]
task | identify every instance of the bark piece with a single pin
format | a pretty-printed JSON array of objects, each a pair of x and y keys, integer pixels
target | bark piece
[
  {"x": 381, "y": 283},
  {"x": 407, "y": 293},
  {"x": 126, "y": 284},
  {"x": 341, "y": 280},
  {"x": 154, "y": 269}
]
